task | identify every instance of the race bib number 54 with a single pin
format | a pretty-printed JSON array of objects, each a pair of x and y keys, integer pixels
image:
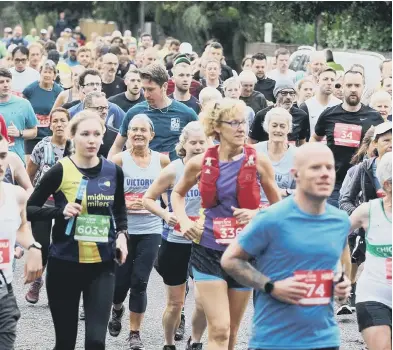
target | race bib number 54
[
  {"x": 347, "y": 135},
  {"x": 5, "y": 253},
  {"x": 92, "y": 228},
  {"x": 226, "y": 230},
  {"x": 320, "y": 286}
]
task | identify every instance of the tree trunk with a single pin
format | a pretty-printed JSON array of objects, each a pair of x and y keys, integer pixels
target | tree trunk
[{"x": 317, "y": 27}]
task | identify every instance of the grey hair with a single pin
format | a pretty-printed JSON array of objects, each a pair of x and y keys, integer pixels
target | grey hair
[
  {"x": 208, "y": 94},
  {"x": 194, "y": 126},
  {"x": 232, "y": 80},
  {"x": 384, "y": 169},
  {"x": 88, "y": 103},
  {"x": 143, "y": 117},
  {"x": 277, "y": 112}
]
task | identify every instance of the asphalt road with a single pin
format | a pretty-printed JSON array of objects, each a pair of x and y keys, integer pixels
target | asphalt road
[{"x": 35, "y": 329}]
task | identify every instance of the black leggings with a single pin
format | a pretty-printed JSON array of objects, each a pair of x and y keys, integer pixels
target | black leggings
[
  {"x": 134, "y": 274},
  {"x": 41, "y": 233},
  {"x": 306, "y": 349},
  {"x": 65, "y": 281}
]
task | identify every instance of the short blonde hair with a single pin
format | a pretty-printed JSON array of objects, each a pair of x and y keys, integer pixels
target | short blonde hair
[
  {"x": 277, "y": 112},
  {"x": 81, "y": 117},
  {"x": 379, "y": 96},
  {"x": 232, "y": 80},
  {"x": 208, "y": 94},
  {"x": 216, "y": 111},
  {"x": 191, "y": 127}
]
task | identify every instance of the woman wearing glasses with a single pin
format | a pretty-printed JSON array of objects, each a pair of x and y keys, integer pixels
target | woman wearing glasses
[
  {"x": 230, "y": 175},
  {"x": 42, "y": 95}
]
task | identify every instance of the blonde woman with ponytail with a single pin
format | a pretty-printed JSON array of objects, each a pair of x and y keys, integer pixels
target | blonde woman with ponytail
[{"x": 175, "y": 251}]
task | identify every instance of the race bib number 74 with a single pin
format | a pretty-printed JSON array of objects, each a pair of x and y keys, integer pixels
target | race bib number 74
[{"x": 320, "y": 286}]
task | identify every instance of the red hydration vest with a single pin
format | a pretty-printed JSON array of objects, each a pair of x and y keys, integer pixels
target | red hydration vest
[{"x": 248, "y": 190}]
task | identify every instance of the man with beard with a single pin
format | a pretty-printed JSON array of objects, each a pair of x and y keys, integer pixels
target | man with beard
[
  {"x": 323, "y": 98},
  {"x": 111, "y": 84},
  {"x": 182, "y": 76},
  {"x": 84, "y": 57},
  {"x": 344, "y": 126},
  {"x": 264, "y": 84},
  {"x": 133, "y": 95},
  {"x": 72, "y": 59},
  {"x": 284, "y": 93}
]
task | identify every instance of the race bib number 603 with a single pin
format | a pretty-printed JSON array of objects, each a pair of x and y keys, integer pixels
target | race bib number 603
[{"x": 92, "y": 228}]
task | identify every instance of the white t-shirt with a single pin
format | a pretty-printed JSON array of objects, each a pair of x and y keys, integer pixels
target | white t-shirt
[
  {"x": 277, "y": 76},
  {"x": 21, "y": 80},
  {"x": 315, "y": 109}
]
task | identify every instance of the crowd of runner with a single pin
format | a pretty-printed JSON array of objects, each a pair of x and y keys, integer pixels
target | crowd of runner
[{"x": 118, "y": 156}]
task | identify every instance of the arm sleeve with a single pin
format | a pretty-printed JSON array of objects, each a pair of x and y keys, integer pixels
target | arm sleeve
[
  {"x": 348, "y": 200},
  {"x": 193, "y": 116},
  {"x": 320, "y": 127},
  {"x": 305, "y": 127},
  {"x": 255, "y": 237},
  {"x": 27, "y": 92},
  {"x": 256, "y": 129},
  {"x": 31, "y": 119},
  {"x": 263, "y": 102},
  {"x": 124, "y": 125},
  {"x": 48, "y": 185},
  {"x": 119, "y": 209}
]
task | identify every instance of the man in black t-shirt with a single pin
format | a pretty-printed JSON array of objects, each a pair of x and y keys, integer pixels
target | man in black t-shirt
[
  {"x": 344, "y": 126},
  {"x": 133, "y": 95},
  {"x": 284, "y": 93},
  {"x": 111, "y": 84},
  {"x": 251, "y": 98},
  {"x": 182, "y": 76},
  {"x": 264, "y": 84}
]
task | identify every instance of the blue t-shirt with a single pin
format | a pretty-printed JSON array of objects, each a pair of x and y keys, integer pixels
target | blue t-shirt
[
  {"x": 20, "y": 112},
  {"x": 42, "y": 102},
  {"x": 114, "y": 118},
  {"x": 284, "y": 239},
  {"x": 168, "y": 124}
]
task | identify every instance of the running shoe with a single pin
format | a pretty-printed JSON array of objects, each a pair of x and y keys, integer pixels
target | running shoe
[
  {"x": 179, "y": 335},
  {"x": 193, "y": 346},
  {"x": 134, "y": 341},
  {"x": 169, "y": 347},
  {"x": 33, "y": 295},
  {"x": 345, "y": 309},
  {"x": 114, "y": 325}
]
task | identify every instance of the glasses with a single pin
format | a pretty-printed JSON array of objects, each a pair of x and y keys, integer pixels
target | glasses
[
  {"x": 286, "y": 93},
  {"x": 234, "y": 123},
  {"x": 20, "y": 60},
  {"x": 338, "y": 86},
  {"x": 101, "y": 108},
  {"x": 93, "y": 84}
]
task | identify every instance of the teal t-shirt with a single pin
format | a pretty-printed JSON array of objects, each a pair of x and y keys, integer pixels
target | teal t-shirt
[
  {"x": 42, "y": 102},
  {"x": 168, "y": 124},
  {"x": 19, "y": 112}
]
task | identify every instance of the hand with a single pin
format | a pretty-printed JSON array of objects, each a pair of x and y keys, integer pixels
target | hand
[
  {"x": 121, "y": 244},
  {"x": 170, "y": 219},
  {"x": 18, "y": 252},
  {"x": 13, "y": 131},
  {"x": 33, "y": 265},
  {"x": 71, "y": 210},
  {"x": 244, "y": 216},
  {"x": 342, "y": 290},
  {"x": 290, "y": 290},
  {"x": 191, "y": 229}
]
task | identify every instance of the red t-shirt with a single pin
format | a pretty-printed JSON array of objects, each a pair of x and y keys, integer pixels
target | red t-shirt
[{"x": 3, "y": 128}]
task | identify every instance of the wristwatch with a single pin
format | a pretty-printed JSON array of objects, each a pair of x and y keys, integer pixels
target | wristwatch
[
  {"x": 289, "y": 191},
  {"x": 20, "y": 133},
  {"x": 35, "y": 245},
  {"x": 268, "y": 288}
]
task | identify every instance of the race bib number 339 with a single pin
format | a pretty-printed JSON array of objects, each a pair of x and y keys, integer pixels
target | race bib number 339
[
  {"x": 320, "y": 286},
  {"x": 92, "y": 228},
  {"x": 226, "y": 230},
  {"x": 347, "y": 135}
]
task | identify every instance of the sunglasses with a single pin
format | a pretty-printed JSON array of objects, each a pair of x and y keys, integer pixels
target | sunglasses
[{"x": 338, "y": 86}]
